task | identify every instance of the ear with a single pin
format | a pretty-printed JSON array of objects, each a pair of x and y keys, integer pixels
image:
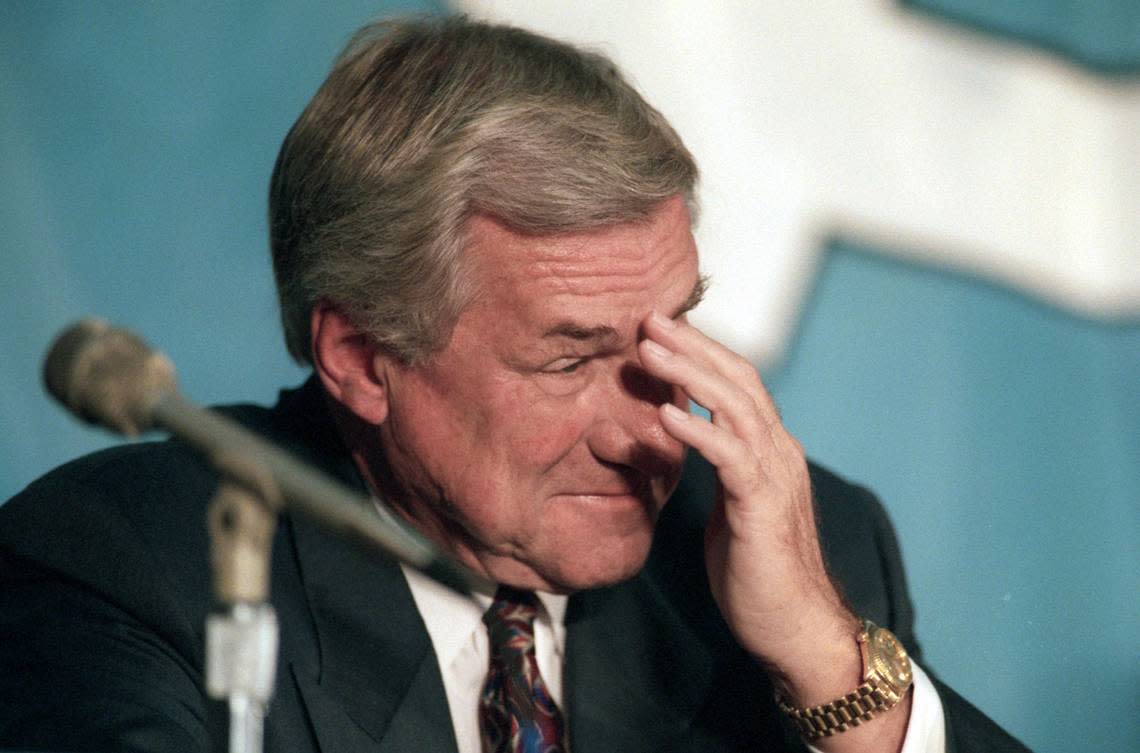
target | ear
[{"x": 349, "y": 364}]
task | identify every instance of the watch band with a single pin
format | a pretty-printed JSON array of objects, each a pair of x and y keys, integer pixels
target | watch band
[
  {"x": 840, "y": 715},
  {"x": 875, "y": 695}
]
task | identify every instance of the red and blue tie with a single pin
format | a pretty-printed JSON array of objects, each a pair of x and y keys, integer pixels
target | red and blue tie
[{"x": 516, "y": 712}]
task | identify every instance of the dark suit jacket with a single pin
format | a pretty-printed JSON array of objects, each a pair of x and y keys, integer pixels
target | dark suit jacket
[{"x": 104, "y": 589}]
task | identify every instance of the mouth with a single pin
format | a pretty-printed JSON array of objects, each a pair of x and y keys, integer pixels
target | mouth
[
  {"x": 610, "y": 502},
  {"x": 639, "y": 491},
  {"x": 606, "y": 493},
  {"x": 624, "y": 483}
]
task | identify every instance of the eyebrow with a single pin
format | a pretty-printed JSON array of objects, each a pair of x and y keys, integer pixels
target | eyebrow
[
  {"x": 696, "y": 295},
  {"x": 605, "y": 333}
]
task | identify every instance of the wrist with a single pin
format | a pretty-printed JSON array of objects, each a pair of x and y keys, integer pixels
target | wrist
[
  {"x": 884, "y": 683},
  {"x": 820, "y": 663}
]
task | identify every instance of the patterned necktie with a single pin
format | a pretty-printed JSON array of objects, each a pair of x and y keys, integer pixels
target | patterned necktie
[{"x": 516, "y": 712}]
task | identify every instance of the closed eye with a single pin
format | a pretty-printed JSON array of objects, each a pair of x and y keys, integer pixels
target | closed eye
[{"x": 565, "y": 365}]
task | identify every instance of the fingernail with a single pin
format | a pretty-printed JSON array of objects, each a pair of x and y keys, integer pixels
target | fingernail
[
  {"x": 675, "y": 413},
  {"x": 656, "y": 348},
  {"x": 662, "y": 321}
]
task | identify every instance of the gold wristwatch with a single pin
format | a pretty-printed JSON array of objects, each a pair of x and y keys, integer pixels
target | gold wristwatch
[{"x": 886, "y": 679}]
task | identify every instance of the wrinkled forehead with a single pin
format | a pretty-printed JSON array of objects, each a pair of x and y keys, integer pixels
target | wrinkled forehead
[{"x": 635, "y": 257}]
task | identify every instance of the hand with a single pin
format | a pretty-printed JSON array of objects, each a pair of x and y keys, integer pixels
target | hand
[{"x": 761, "y": 548}]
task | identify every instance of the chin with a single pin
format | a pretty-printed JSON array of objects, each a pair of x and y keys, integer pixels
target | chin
[{"x": 594, "y": 566}]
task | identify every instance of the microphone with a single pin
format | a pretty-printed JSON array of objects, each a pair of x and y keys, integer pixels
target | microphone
[{"x": 109, "y": 377}]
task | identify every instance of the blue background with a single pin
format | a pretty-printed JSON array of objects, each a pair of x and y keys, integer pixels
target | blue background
[{"x": 1004, "y": 435}]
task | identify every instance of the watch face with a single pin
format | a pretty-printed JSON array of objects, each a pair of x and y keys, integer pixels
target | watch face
[{"x": 888, "y": 658}]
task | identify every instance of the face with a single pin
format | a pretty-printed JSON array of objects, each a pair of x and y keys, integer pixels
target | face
[{"x": 530, "y": 446}]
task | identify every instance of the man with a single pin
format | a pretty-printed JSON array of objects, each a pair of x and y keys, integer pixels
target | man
[{"x": 482, "y": 244}]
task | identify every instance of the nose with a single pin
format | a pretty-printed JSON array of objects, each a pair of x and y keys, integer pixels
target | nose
[{"x": 628, "y": 431}]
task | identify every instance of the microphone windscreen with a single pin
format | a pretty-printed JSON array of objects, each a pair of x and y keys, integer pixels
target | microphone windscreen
[{"x": 107, "y": 376}]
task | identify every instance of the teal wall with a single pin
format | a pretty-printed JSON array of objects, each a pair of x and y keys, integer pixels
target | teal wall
[
  {"x": 1004, "y": 435},
  {"x": 137, "y": 140},
  {"x": 1103, "y": 35}
]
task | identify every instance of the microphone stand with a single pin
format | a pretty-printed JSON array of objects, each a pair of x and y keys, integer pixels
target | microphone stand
[{"x": 241, "y": 642}]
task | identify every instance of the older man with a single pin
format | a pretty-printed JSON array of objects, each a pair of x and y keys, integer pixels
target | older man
[{"x": 482, "y": 242}]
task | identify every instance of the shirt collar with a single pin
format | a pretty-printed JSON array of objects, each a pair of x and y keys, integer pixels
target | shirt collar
[{"x": 451, "y": 619}]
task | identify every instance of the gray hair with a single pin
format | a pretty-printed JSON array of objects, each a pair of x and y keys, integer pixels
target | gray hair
[{"x": 422, "y": 124}]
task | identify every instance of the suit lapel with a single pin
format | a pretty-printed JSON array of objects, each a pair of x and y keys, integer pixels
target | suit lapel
[
  {"x": 377, "y": 666},
  {"x": 417, "y": 724},
  {"x": 635, "y": 672}
]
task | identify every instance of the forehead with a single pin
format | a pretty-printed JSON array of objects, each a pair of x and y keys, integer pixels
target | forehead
[{"x": 616, "y": 264}]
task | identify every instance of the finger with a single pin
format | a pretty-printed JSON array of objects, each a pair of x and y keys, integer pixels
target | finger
[
  {"x": 731, "y": 407},
  {"x": 736, "y": 463},
  {"x": 683, "y": 338}
]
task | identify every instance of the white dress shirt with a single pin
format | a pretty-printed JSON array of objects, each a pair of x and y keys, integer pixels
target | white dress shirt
[{"x": 462, "y": 648}]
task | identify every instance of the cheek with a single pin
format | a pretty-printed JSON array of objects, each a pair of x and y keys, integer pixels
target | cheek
[{"x": 542, "y": 430}]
